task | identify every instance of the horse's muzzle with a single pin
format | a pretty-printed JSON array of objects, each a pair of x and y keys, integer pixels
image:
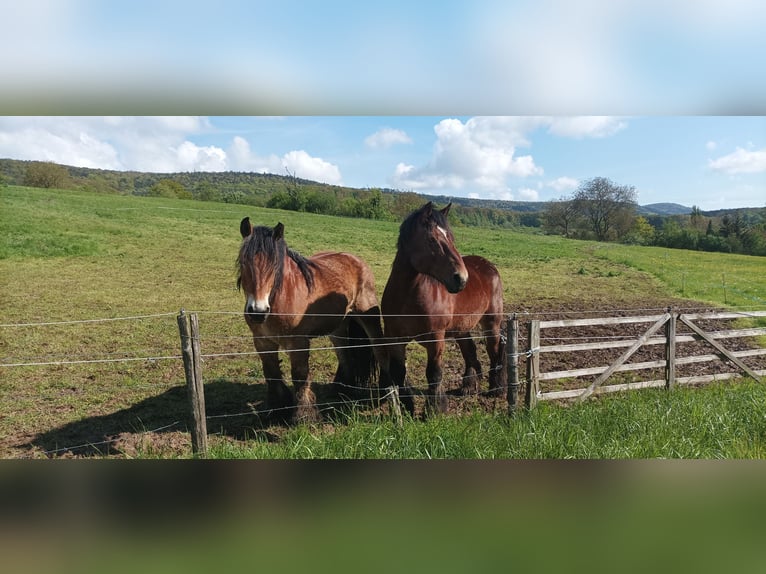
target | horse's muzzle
[
  {"x": 456, "y": 283},
  {"x": 256, "y": 315}
]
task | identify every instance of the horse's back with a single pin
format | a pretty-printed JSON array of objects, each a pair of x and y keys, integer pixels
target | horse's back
[{"x": 345, "y": 272}]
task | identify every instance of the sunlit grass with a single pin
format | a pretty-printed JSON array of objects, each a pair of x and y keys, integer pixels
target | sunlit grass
[
  {"x": 718, "y": 421},
  {"x": 79, "y": 256}
]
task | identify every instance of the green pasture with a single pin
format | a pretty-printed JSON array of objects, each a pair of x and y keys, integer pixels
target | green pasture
[{"x": 133, "y": 262}]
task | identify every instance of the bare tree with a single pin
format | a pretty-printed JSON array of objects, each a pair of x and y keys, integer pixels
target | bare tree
[{"x": 608, "y": 208}]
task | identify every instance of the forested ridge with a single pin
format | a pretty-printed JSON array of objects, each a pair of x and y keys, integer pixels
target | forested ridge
[{"x": 599, "y": 209}]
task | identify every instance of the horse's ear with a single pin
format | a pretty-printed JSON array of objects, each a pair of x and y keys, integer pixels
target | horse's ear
[
  {"x": 428, "y": 207},
  {"x": 245, "y": 227},
  {"x": 279, "y": 231},
  {"x": 445, "y": 211}
]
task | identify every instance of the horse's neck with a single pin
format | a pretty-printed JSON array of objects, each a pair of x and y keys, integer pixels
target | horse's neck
[
  {"x": 402, "y": 267},
  {"x": 407, "y": 275}
]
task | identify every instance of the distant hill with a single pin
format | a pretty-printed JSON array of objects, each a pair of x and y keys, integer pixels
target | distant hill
[
  {"x": 258, "y": 188},
  {"x": 664, "y": 209}
]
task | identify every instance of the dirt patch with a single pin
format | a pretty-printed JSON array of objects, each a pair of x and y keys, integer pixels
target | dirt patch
[{"x": 156, "y": 424}]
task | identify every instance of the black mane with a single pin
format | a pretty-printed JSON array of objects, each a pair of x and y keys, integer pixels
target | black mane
[
  {"x": 426, "y": 215},
  {"x": 261, "y": 240}
]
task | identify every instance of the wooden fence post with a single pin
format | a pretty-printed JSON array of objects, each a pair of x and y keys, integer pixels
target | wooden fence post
[
  {"x": 533, "y": 364},
  {"x": 190, "y": 350},
  {"x": 670, "y": 350},
  {"x": 513, "y": 362}
]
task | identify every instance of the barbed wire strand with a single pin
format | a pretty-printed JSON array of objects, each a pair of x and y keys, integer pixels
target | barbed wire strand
[
  {"x": 81, "y": 321},
  {"x": 506, "y": 313}
]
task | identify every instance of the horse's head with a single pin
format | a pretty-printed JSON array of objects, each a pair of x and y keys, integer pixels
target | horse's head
[
  {"x": 260, "y": 262},
  {"x": 426, "y": 238}
]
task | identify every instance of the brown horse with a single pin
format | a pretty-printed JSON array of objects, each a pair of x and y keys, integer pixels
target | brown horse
[
  {"x": 434, "y": 293},
  {"x": 292, "y": 299}
]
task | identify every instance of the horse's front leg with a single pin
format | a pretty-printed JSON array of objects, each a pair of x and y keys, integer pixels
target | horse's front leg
[
  {"x": 306, "y": 409},
  {"x": 437, "y": 399},
  {"x": 279, "y": 398}
]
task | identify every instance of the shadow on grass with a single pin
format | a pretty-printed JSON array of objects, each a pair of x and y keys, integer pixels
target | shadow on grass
[
  {"x": 235, "y": 410},
  {"x": 241, "y": 403}
]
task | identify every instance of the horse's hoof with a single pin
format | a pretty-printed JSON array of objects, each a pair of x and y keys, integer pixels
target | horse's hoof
[
  {"x": 307, "y": 415},
  {"x": 437, "y": 405},
  {"x": 469, "y": 389}
]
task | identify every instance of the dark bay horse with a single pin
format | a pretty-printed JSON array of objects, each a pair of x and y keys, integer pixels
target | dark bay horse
[
  {"x": 433, "y": 293},
  {"x": 291, "y": 299}
]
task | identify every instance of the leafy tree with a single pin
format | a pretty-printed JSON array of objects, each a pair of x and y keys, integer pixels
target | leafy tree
[
  {"x": 206, "y": 192},
  {"x": 608, "y": 208},
  {"x": 405, "y": 202},
  {"x": 169, "y": 188},
  {"x": 46, "y": 174},
  {"x": 641, "y": 233},
  {"x": 696, "y": 219}
]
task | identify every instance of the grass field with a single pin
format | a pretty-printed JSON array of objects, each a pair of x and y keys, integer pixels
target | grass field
[{"x": 132, "y": 263}]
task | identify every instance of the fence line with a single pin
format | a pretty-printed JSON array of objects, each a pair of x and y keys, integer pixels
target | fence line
[
  {"x": 89, "y": 361},
  {"x": 536, "y": 346},
  {"x": 81, "y": 321},
  {"x": 518, "y": 312}
]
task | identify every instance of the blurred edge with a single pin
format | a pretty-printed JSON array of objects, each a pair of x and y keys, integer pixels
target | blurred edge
[{"x": 556, "y": 513}]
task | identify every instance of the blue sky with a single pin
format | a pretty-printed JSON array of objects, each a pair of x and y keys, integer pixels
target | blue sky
[
  {"x": 510, "y": 99},
  {"x": 709, "y": 161}
]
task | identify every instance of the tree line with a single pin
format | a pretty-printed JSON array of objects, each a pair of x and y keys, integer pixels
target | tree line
[
  {"x": 604, "y": 211},
  {"x": 599, "y": 209},
  {"x": 258, "y": 189}
]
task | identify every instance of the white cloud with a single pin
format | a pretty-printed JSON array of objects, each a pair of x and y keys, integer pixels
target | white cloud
[
  {"x": 70, "y": 147},
  {"x": 297, "y": 162},
  {"x": 307, "y": 167},
  {"x": 740, "y": 161},
  {"x": 387, "y": 137},
  {"x": 711, "y": 145},
  {"x": 528, "y": 194},
  {"x": 192, "y": 157},
  {"x": 479, "y": 153},
  {"x": 482, "y": 152},
  {"x": 156, "y": 144},
  {"x": 562, "y": 184}
]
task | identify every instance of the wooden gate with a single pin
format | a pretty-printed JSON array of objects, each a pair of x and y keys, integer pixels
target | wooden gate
[{"x": 669, "y": 338}]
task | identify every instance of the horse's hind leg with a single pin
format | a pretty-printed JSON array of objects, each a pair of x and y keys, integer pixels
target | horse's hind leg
[
  {"x": 472, "y": 374},
  {"x": 498, "y": 375},
  {"x": 370, "y": 322},
  {"x": 397, "y": 369},
  {"x": 343, "y": 380}
]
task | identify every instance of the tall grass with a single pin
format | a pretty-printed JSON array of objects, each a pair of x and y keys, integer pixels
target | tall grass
[{"x": 718, "y": 421}]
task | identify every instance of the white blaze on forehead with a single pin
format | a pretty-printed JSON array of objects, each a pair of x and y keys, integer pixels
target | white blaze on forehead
[{"x": 443, "y": 231}]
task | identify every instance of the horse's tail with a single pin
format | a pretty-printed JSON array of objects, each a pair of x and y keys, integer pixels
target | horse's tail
[{"x": 359, "y": 365}]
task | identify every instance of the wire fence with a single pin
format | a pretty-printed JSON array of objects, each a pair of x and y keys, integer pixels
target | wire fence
[{"x": 226, "y": 337}]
